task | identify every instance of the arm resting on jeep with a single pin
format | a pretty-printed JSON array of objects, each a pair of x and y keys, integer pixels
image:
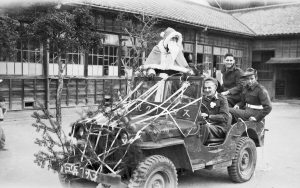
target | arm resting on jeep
[{"x": 266, "y": 103}]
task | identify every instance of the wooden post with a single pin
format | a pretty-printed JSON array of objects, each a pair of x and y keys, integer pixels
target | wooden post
[
  {"x": 34, "y": 91},
  {"x": 273, "y": 92},
  {"x": 76, "y": 86},
  {"x": 10, "y": 94},
  {"x": 67, "y": 93},
  {"x": 85, "y": 68},
  {"x": 119, "y": 55},
  {"x": 60, "y": 85},
  {"x": 86, "y": 91},
  {"x": 23, "y": 92},
  {"x": 195, "y": 49},
  {"x": 46, "y": 73},
  {"x": 95, "y": 92},
  {"x": 86, "y": 63}
]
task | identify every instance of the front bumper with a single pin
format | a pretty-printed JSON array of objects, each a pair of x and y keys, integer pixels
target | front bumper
[{"x": 110, "y": 179}]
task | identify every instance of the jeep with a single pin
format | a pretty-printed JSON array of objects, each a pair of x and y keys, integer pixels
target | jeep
[{"x": 152, "y": 133}]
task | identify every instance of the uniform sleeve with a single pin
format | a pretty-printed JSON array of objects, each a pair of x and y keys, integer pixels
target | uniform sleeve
[
  {"x": 265, "y": 102},
  {"x": 242, "y": 103},
  {"x": 223, "y": 115},
  {"x": 238, "y": 88}
]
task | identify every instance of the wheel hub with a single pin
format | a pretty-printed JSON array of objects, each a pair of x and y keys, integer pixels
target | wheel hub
[
  {"x": 245, "y": 160},
  {"x": 157, "y": 181}
]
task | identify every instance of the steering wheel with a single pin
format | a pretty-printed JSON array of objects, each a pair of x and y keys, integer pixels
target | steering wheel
[{"x": 206, "y": 109}]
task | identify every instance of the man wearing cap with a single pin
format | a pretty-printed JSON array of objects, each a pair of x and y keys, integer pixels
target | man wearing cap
[
  {"x": 255, "y": 103},
  {"x": 214, "y": 110},
  {"x": 231, "y": 80}
]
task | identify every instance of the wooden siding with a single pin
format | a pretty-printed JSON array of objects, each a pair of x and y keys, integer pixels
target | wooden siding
[
  {"x": 283, "y": 47},
  {"x": 229, "y": 42},
  {"x": 25, "y": 93},
  {"x": 280, "y": 85}
]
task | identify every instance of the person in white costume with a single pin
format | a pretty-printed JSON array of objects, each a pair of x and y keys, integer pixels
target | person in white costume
[{"x": 166, "y": 58}]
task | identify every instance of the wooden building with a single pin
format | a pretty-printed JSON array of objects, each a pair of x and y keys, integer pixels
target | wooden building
[
  {"x": 276, "y": 47},
  {"x": 208, "y": 33}
]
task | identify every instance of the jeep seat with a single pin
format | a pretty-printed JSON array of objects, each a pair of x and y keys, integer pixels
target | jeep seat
[
  {"x": 217, "y": 141},
  {"x": 214, "y": 141}
]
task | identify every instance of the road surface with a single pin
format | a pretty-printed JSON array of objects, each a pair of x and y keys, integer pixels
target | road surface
[{"x": 278, "y": 162}]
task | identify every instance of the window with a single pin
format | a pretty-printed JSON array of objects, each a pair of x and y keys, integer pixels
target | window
[
  {"x": 104, "y": 60},
  {"x": 188, "y": 49},
  {"x": 73, "y": 63},
  {"x": 128, "y": 61},
  {"x": 238, "y": 54},
  {"x": 129, "y": 57},
  {"x": 207, "y": 58},
  {"x": 95, "y": 62},
  {"x": 110, "y": 60},
  {"x": 27, "y": 60}
]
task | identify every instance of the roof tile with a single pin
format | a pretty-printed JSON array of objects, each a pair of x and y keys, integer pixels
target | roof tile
[
  {"x": 272, "y": 20},
  {"x": 176, "y": 10}
]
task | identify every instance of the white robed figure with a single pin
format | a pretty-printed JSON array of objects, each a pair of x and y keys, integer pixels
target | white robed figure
[{"x": 166, "y": 58}]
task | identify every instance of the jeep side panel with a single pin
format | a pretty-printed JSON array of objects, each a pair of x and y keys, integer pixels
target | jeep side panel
[{"x": 172, "y": 148}]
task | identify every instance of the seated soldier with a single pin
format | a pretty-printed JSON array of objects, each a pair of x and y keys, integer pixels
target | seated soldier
[
  {"x": 256, "y": 103},
  {"x": 214, "y": 110}
]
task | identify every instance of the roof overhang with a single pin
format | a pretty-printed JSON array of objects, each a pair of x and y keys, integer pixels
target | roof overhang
[{"x": 286, "y": 60}]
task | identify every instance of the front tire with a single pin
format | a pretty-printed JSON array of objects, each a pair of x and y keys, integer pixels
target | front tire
[
  {"x": 155, "y": 171},
  {"x": 244, "y": 162}
]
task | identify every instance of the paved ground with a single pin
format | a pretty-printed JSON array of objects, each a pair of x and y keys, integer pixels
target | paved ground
[{"x": 278, "y": 162}]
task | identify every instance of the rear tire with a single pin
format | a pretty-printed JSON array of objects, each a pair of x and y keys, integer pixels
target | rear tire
[
  {"x": 154, "y": 171},
  {"x": 244, "y": 162}
]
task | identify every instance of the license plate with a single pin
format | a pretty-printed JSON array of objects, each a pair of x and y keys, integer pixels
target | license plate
[{"x": 82, "y": 172}]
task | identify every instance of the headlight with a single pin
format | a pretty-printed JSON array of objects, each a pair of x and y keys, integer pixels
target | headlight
[
  {"x": 80, "y": 132},
  {"x": 123, "y": 137}
]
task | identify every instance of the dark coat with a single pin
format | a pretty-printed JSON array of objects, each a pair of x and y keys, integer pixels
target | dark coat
[
  {"x": 231, "y": 80},
  {"x": 218, "y": 110},
  {"x": 256, "y": 95}
]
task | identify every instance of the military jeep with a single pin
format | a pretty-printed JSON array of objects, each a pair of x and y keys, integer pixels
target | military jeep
[{"x": 143, "y": 140}]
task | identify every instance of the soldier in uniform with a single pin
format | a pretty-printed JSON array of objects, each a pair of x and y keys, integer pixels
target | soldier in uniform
[
  {"x": 231, "y": 80},
  {"x": 255, "y": 101},
  {"x": 214, "y": 110}
]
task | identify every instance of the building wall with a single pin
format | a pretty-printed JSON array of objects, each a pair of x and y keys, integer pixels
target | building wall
[
  {"x": 30, "y": 77},
  {"x": 27, "y": 93},
  {"x": 276, "y": 77},
  {"x": 207, "y": 48},
  {"x": 282, "y": 46}
]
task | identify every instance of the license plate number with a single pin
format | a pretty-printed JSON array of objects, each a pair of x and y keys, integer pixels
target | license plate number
[{"x": 82, "y": 172}]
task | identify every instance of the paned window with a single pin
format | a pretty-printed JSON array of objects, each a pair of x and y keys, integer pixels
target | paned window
[
  {"x": 104, "y": 60},
  {"x": 73, "y": 63},
  {"x": 27, "y": 60}
]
